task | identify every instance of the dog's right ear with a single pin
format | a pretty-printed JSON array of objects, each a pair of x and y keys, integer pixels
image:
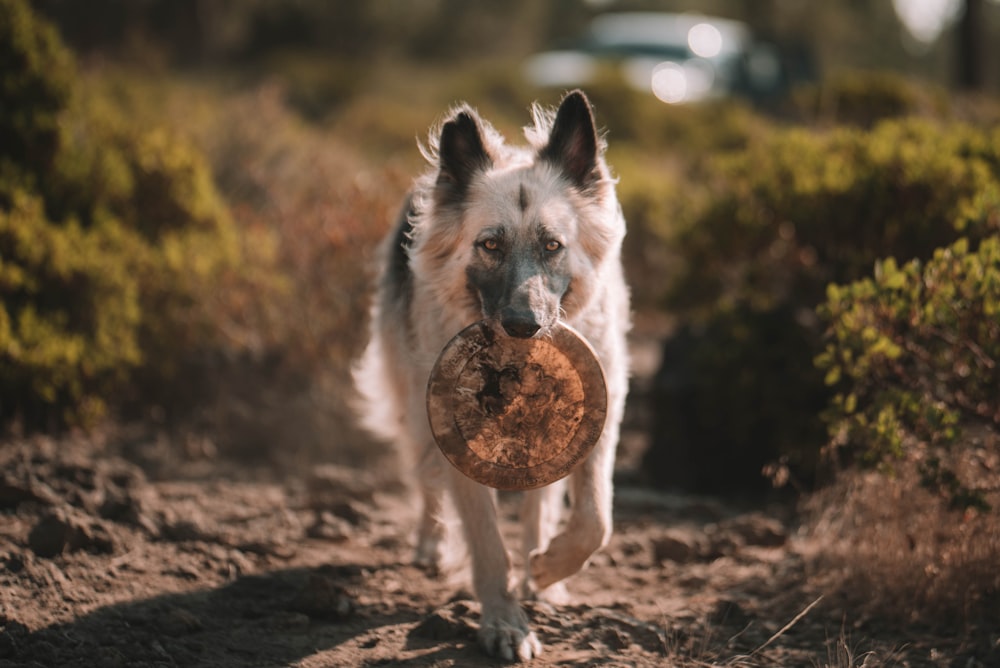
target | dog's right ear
[{"x": 461, "y": 156}]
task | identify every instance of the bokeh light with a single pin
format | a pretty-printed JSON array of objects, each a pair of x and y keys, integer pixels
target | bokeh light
[
  {"x": 669, "y": 83},
  {"x": 705, "y": 40}
]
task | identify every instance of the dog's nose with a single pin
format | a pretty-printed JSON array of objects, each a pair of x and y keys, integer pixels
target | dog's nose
[{"x": 519, "y": 325}]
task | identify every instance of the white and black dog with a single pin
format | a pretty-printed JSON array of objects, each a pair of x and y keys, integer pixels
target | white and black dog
[{"x": 523, "y": 237}]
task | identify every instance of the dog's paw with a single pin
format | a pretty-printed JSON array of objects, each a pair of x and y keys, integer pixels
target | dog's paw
[
  {"x": 543, "y": 573},
  {"x": 505, "y": 633},
  {"x": 429, "y": 556},
  {"x": 438, "y": 555},
  {"x": 566, "y": 554},
  {"x": 555, "y": 594}
]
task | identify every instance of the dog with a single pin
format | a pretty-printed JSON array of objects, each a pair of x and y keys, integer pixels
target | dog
[{"x": 523, "y": 238}]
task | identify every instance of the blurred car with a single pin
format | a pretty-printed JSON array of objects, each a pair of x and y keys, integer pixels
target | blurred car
[{"x": 678, "y": 57}]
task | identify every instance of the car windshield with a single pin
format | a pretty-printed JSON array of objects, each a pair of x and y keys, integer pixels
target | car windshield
[{"x": 634, "y": 49}]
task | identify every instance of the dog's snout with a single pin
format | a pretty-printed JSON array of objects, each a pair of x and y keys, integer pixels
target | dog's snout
[{"x": 520, "y": 325}]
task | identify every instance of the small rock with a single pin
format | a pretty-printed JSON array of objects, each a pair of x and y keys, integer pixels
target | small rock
[
  {"x": 757, "y": 529},
  {"x": 615, "y": 639},
  {"x": 321, "y": 597},
  {"x": 720, "y": 544},
  {"x": 67, "y": 530},
  {"x": 185, "y": 529},
  {"x": 129, "y": 506},
  {"x": 330, "y": 484},
  {"x": 676, "y": 545},
  {"x": 328, "y": 526},
  {"x": 435, "y": 626},
  {"x": 13, "y": 562},
  {"x": 53, "y": 535},
  {"x": 14, "y": 492},
  {"x": 351, "y": 511},
  {"x": 238, "y": 564},
  {"x": 628, "y": 630},
  {"x": 447, "y": 623}
]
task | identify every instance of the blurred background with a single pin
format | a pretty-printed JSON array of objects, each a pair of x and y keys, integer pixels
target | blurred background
[{"x": 191, "y": 192}]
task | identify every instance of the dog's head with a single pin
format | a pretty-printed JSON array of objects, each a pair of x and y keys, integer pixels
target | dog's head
[{"x": 522, "y": 233}]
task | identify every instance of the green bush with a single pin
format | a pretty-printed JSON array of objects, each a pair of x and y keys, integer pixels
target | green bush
[
  {"x": 639, "y": 121},
  {"x": 864, "y": 98},
  {"x": 70, "y": 311},
  {"x": 914, "y": 353},
  {"x": 794, "y": 212},
  {"x": 110, "y": 248},
  {"x": 730, "y": 399},
  {"x": 803, "y": 208},
  {"x": 36, "y": 75}
]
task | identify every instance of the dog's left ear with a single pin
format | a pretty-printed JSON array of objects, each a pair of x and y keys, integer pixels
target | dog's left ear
[{"x": 573, "y": 141}]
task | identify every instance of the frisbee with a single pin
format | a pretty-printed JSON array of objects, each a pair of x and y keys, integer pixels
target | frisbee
[{"x": 516, "y": 414}]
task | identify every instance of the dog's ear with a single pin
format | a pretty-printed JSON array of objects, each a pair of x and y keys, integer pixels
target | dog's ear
[
  {"x": 461, "y": 155},
  {"x": 573, "y": 141}
]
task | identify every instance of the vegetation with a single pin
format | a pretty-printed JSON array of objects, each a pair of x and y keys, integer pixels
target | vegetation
[
  {"x": 914, "y": 352},
  {"x": 793, "y": 212},
  {"x": 112, "y": 239},
  {"x": 196, "y": 250}
]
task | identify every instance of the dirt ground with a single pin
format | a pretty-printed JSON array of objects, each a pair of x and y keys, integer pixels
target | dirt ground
[{"x": 104, "y": 562}]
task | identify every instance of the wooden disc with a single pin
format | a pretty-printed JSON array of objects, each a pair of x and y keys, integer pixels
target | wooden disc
[{"x": 516, "y": 414}]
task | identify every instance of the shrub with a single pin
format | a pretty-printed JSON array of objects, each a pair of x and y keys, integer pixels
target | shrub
[
  {"x": 111, "y": 247},
  {"x": 914, "y": 353},
  {"x": 801, "y": 209},
  {"x": 70, "y": 311},
  {"x": 724, "y": 398},
  {"x": 863, "y": 98},
  {"x": 795, "y": 211},
  {"x": 36, "y": 74},
  {"x": 309, "y": 211},
  {"x": 885, "y": 550}
]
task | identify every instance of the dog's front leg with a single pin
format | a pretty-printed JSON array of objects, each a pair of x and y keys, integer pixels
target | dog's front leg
[
  {"x": 504, "y": 629},
  {"x": 589, "y": 525},
  {"x": 541, "y": 512}
]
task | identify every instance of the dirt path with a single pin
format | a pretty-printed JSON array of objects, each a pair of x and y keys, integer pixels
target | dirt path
[{"x": 101, "y": 566}]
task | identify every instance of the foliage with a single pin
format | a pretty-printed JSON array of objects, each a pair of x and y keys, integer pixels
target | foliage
[
  {"x": 864, "y": 98},
  {"x": 110, "y": 247},
  {"x": 914, "y": 353},
  {"x": 734, "y": 389},
  {"x": 795, "y": 211},
  {"x": 309, "y": 211},
  {"x": 802, "y": 208},
  {"x": 70, "y": 312},
  {"x": 37, "y": 74}
]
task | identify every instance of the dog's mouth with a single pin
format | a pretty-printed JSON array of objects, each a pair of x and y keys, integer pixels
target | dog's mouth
[{"x": 521, "y": 327}]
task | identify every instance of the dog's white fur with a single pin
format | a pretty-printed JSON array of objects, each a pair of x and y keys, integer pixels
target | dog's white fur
[{"x": 559, "y": 183}]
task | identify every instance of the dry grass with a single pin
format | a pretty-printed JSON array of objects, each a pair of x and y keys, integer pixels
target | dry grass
[
  {"x": 707, "y": 649},
  {"x": 310, "y": 210},
  {"x": 895, "y": 557},
  {"x": 324, "y": 209}
]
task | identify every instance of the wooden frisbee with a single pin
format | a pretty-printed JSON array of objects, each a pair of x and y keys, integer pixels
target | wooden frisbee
[{"x": 516, "y": 414}]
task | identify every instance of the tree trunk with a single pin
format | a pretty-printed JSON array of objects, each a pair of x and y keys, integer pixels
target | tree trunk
[{"x": 969, "y": 47}]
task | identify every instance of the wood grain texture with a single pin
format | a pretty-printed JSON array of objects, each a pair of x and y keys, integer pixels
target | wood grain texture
[{"x": 516, "y": 414}]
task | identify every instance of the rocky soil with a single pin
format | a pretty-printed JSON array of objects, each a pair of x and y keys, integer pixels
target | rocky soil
[{"x": 104, "y": 562}]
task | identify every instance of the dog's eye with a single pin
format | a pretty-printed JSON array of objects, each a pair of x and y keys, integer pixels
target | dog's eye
[
  {"x": 492, "y": 245},
  {"x": 552, "y": 246}
]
